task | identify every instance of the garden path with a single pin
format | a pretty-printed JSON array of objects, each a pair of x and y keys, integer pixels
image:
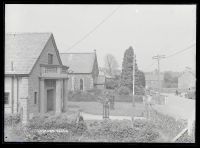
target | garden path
[{"x": 87, "y": 116}]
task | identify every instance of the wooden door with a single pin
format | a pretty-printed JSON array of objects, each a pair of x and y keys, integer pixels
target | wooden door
[{"x": 50, "y": 99}]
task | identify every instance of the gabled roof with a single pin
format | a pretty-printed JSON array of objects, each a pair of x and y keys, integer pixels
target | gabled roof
[
  {"x": 78, "y": 62},
  {"x": 22, "y": 51}
]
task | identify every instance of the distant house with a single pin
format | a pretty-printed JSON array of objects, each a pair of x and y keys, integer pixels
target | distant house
[
  {"x": 187, "y": 80},
  {"x": 35, "y": 79},
  {"x": 151, "y": 79},
  {"x": 101, "y": 81},
  {"x": 83, "y": 70}
]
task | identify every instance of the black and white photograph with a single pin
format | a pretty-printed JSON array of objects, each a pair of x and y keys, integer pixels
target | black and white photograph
[{"x": 100, "y": 73}]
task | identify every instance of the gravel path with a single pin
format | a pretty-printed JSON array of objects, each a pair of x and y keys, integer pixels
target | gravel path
[{"x": 87, "y": 116}]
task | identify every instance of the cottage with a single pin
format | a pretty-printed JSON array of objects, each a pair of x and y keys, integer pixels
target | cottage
[
  {"x": 187, "y": 80},
  {"x": 35, "y": 79},
  {"x": 83, "y": 70}
]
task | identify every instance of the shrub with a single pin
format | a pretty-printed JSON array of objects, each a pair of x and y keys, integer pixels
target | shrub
[
  {"x": 112, "y": 84},
  {"x": 11, "y": 119},
  {"x": 139, "y": 90},
  {"x": 94, "y": 91},
  {"x": 123, "y": 90},
  {"x": 81, "y": 96},
  {"x": 167, "y": 124},
  {"x": 123, "y": 98},
  {"x": 105, "y": 130},
  {"x": 51, "y": 121},
  {"x": 121, "y": 131}
]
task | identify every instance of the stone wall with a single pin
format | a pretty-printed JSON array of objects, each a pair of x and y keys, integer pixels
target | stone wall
[
  {"x": 17, "y": 87},
  {"x": 74, "y": 81},
  {"x": 8, "y": 89}
]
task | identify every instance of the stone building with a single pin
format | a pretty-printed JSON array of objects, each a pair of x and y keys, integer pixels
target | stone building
[
  {"x": 35, "y": 79},
  {"x": 83, "y": 70},
  {"x": 187, "y": 80}
]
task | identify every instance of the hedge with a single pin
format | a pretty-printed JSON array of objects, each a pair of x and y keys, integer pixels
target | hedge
[
  {"x": 99, "y": 131},
  {"x": 82, "y": 96},
  {"x": 11, "y": 119}
]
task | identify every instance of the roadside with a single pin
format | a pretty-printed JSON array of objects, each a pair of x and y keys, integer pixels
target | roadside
[{"x": 177, "y": 107}]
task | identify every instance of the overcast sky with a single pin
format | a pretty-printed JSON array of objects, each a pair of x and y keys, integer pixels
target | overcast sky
[{"x": 149, "y": 29}]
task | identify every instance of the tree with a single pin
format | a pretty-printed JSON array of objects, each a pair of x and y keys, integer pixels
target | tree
[
  {"x": 127, "y": 73},
  {"x": 127, "y": 69},
  {"x": 142, "y": 78},
  {"x": 111, "y": 64},
  {"x": 170, "y": 80},
  {"x": 139, "y": 82}
]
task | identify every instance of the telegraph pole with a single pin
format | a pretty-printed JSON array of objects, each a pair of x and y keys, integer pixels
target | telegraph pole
[{"x": 158, "y": 58}]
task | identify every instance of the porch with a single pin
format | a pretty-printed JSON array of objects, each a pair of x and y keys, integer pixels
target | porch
[{"x": 53, "y": 88}]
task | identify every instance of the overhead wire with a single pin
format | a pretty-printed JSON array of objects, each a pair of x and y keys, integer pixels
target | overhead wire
[{"x": 94, "y": 29}]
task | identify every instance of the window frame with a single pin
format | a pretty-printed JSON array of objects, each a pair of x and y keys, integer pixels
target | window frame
[
  {"x": 35, "y": 97},
  {"x": 50, "y": 58},
  {"x": 7, "y": 97}
]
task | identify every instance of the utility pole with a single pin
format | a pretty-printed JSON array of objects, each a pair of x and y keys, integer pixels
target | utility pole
[{"x": 158, "y": 58}]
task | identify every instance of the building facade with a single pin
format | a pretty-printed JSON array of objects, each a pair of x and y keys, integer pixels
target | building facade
[
  {"x": 101, "y": 80},
  {"x": 83, "y": 70},
  {"x": 187, "y": 80},
  {"x": 35, "y": 79}
]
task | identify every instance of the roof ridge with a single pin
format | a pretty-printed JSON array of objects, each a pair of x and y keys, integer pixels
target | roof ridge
[
  {"x": 20, "y": 33},
  {"x": 77, "y": 53}
]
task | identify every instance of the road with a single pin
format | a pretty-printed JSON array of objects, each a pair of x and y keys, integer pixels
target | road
[{"x": 178, "y": 107}]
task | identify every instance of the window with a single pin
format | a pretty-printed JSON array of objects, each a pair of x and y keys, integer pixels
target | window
[
  {"x": 50, "y": 58},
  {"x": 81, "y": 84},
  {"x": 6, "y": 98},
  {"x": 35, "y": 97},
  {"x": 50, "y": 83}
]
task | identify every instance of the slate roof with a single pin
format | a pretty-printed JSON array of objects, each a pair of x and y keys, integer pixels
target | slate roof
[
  {"x": 23, "y": 50},
  {"x": 78, "y": 62}
]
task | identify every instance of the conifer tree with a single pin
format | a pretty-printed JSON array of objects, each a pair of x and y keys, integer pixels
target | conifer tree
[
  {"x": 127, "y": 69},
  {"x": 127, "y": 73}
]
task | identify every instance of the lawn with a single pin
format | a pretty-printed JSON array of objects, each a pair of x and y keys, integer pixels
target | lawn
[
  {"x": 167, "y": 126},
  {"x": 96, "y": 108}
]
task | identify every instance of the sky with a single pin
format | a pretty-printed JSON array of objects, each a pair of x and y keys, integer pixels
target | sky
[{"x": 149, "y": 29}]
